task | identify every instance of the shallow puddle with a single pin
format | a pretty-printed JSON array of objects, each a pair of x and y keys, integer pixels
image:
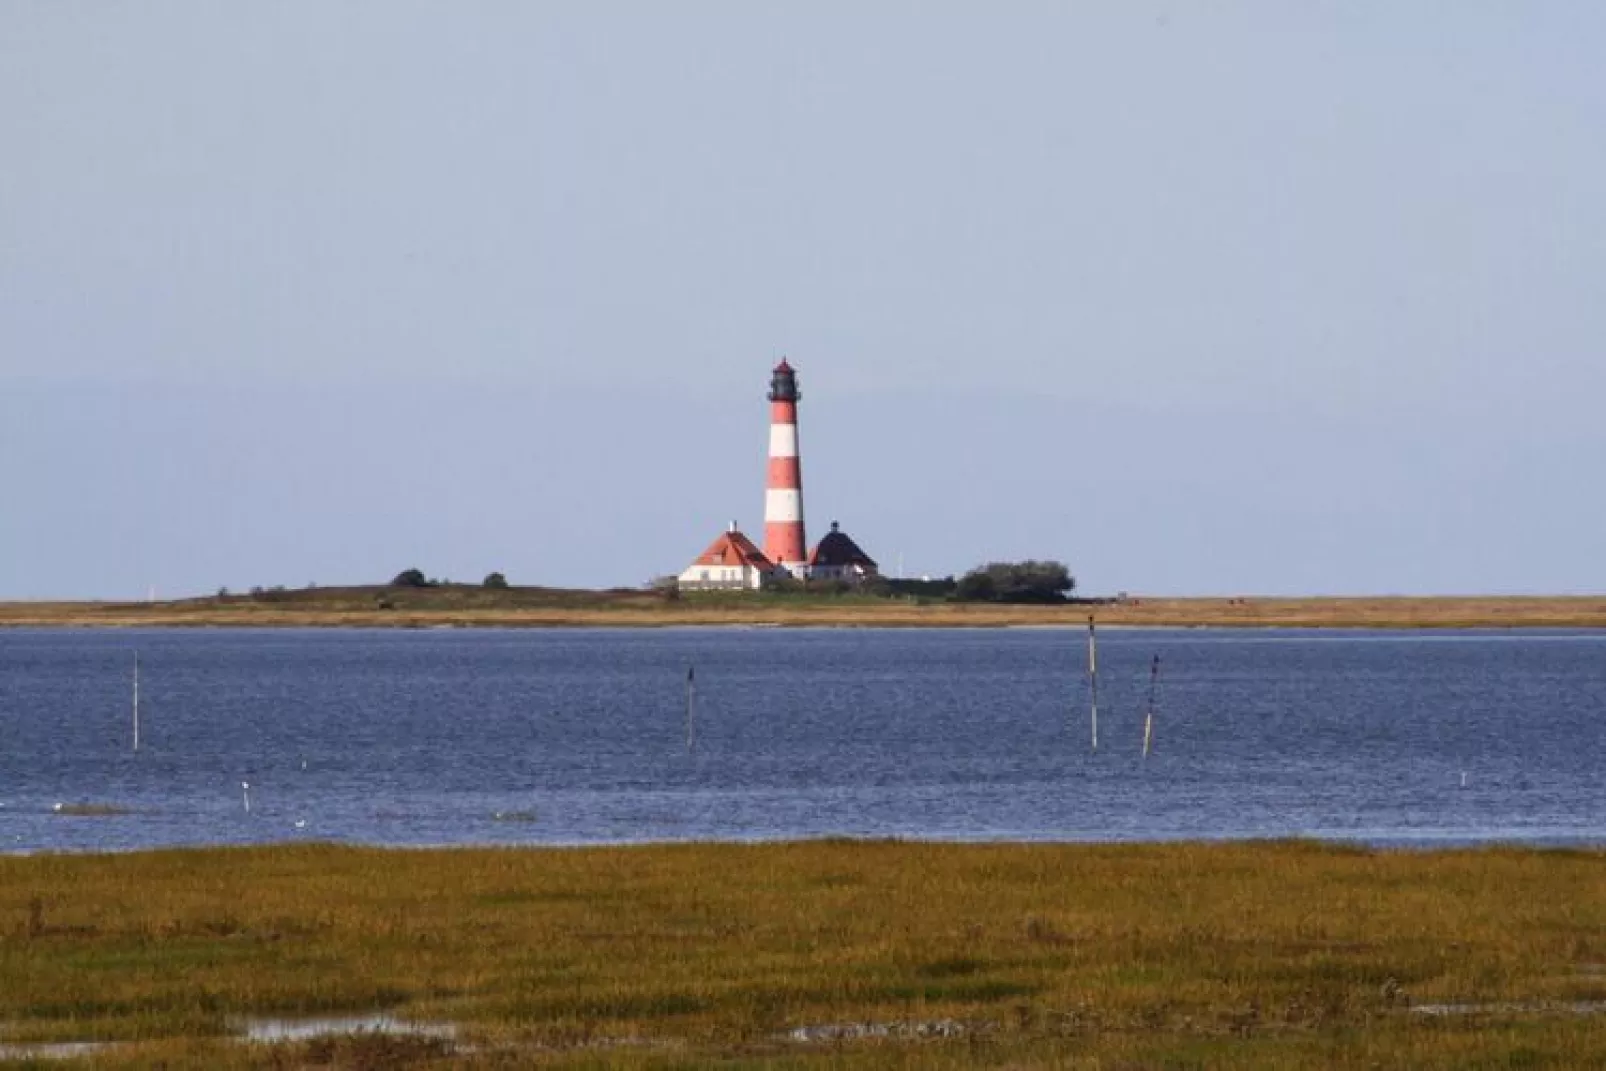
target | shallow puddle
[
  {"x": 1577, "y": 1007},
  {"x": 277, "y": 1030},
  {"x": 52, "y": 1050},
  {"x": 929, "y": 1028}
]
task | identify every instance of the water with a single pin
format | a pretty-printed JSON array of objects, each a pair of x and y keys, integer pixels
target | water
[{"x": 578, "y": 736}]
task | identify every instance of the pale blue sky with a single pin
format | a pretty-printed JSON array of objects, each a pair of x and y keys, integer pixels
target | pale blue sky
[{"x": 1197, "y": 297}]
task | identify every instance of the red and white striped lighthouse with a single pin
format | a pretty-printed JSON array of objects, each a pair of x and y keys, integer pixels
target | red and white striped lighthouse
[{"x": 784, "y": 543}]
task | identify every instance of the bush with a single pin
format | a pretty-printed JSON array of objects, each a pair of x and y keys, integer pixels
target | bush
[
  {"x": 410, "y": 578},
  {"x": 1017, "y": 582},
  {"x": 941, "y": 589},
  {"x": 878, "y": 586},
  {"x": 497, "y": 581},
  {"x": 826, "y": 587}
]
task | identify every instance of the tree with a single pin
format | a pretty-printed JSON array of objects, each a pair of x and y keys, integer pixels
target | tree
[
  {"x": 410, "y": 578},
  {"x": 1027, "y": 581},
  {"x": 879, "y": 586},
  {"x": 977, "y": 586},
  {"x": 497, "y": 581}
]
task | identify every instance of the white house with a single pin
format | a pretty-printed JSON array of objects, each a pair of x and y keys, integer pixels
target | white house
[{"x": 731, "y": 562}]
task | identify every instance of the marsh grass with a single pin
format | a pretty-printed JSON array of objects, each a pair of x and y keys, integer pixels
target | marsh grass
[{"x": 1266, "y": 954}]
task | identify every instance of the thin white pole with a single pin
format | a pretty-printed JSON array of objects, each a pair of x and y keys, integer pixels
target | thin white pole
[
  {"x": 691, "y": 709},
  {"x": 136, "y": 700},
  {"x": 1093, "y": 678},
  {"x": 245, "y": 791},
  {"x": 1148, "y": 720}
]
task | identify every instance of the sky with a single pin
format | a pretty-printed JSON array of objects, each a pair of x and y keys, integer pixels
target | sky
[{"x": 1197, "y": 297}]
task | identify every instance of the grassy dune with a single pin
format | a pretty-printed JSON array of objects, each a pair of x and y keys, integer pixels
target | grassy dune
[
  {"x": 1284, "y": 955},
  {"x": 467, "y": 606}
]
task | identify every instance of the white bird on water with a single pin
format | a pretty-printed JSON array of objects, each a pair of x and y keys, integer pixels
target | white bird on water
[{"x": 245, "y": 791}]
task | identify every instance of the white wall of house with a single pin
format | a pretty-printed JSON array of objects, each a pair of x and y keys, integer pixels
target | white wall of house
[{"x": 721, "y": 576}]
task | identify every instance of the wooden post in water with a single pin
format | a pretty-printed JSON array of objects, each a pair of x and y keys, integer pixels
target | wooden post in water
[
  {"x": 1093, "y": 678},
  {"x": 691, "y": 709},
  {"x": 1148, "y": 719},
  {"x": 136, "y": 700}
]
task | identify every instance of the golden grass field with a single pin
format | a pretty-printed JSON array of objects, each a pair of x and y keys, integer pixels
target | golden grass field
[
  {"x": 1259, "y": 955},
  {"x": 466, "y": 606}
]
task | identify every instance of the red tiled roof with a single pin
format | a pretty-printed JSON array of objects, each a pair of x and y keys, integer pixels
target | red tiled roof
[{"x": 733, "y": 548}]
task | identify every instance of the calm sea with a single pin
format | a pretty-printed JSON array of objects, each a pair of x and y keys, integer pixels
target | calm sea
[{"x": 579, "y": 736}]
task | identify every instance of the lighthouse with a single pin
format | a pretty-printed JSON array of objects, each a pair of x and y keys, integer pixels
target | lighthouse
[
  {"x": 733, "y": 561},
  {"x": 784, "y": 542}
]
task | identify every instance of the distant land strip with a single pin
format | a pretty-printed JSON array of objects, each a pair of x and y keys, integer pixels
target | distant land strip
[{"x": 465, "y": 606}]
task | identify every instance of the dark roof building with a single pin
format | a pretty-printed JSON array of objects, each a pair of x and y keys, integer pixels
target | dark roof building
[{"x": 838, "y": 557}]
